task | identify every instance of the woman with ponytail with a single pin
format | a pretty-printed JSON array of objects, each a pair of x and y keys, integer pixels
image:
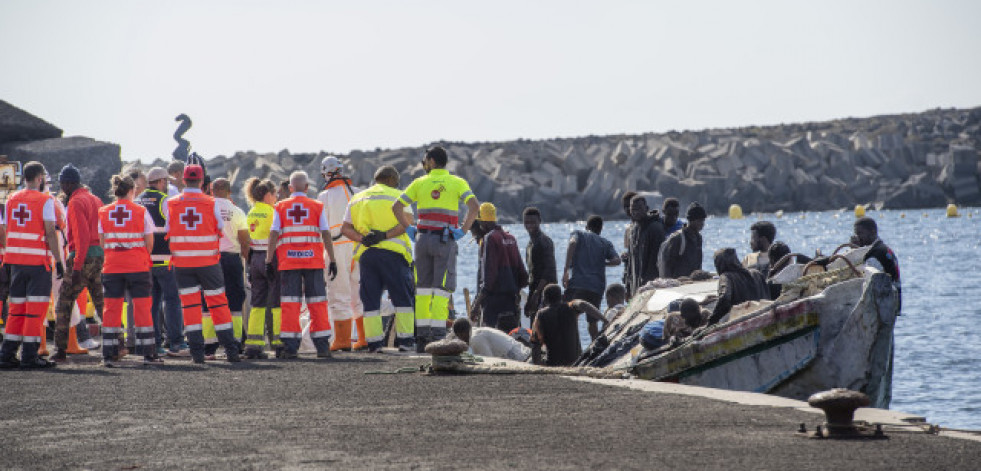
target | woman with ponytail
[
  {"x": 265, "y": 286},
  {"x": 126, "y": 236}
]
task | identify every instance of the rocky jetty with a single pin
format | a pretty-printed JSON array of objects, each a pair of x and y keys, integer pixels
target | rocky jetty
[
  {"x": 25, "y": 137},
  {"x": 899, "y": 161}
]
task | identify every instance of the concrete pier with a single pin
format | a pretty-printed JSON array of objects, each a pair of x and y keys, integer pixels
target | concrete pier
[{"x": 311, "y": 414}]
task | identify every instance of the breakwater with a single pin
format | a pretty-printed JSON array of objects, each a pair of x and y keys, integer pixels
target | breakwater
[{"x": 915, "y": 160}]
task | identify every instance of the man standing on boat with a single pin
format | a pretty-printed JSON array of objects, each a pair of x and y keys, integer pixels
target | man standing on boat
[
  {"x": 681, "y": 253},
  {"x": 762, "y": 235},
  {"x": 880, "y": 255},
  {"x": 438, "y": 196},
  {"x": 343, "y": 300}
]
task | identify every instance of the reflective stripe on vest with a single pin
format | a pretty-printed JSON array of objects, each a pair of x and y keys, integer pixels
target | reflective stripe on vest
[{"x": 26, "y": 244}]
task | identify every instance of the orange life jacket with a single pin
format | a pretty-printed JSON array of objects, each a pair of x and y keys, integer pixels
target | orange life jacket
[
  {"x": 300, "y": 244},
  {"x": 26, "y": 244},
  {"x": 122, "y": 228},
  {"x": 193, "y": 231}
]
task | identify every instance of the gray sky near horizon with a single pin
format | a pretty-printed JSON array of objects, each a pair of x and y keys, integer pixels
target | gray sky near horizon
[{"x": 337, "y": 76}]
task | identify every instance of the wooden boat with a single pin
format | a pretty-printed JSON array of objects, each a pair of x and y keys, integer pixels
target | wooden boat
[{"x": 829, "y": 329}]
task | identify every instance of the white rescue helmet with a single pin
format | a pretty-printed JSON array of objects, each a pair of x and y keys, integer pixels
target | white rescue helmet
[{"x": 330, "y": 165}]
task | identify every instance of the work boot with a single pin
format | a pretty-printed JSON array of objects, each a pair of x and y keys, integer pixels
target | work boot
[
  {"x": 342, "y": 336},
  {"x": 199, "y": 359},
  {"x": 280, "y": 351},
  {"x": 107, "y": 363},
  {"x": 59, "y": 357},
  {"x": 37, "y": 363},
  {"x": 8, "y": 354},
  {"x": 255, "y": 353},
  {"x": 231, "y": 355},
  {"x": 362, "y": 342},
  {"x": 324, "y": 354}
]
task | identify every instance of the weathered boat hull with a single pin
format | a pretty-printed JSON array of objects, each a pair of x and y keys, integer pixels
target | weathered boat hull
[{"x": 840, "y": 337}]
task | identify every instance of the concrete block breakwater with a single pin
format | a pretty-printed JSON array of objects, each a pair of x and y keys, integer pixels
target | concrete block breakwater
[{"x": 899, "y": 161}]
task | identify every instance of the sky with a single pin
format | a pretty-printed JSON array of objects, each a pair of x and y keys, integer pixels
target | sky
[{"x": 337, "y": 76}]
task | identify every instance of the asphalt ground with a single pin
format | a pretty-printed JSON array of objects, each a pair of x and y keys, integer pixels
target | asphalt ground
[{"x": 329, "y": 414}]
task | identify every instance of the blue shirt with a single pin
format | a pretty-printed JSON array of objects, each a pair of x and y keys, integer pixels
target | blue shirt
[
  {"x": 589, "y": 261},
  {"x": 676, "y": 227}
]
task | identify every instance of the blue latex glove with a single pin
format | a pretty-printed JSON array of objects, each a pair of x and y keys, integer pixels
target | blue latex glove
[
  {"x": 411, "y": 232},
  {"x": 457, "y": 233}
]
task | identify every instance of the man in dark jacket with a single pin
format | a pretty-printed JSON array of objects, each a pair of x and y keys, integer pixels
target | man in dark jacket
[
  {"x": 502, "y": 273},
  {"x": 540, "y": 259},
  {"x": 737, "y": 284},
  {"x": 681, "y": 253},
  {"x": 880, "y": 255},
  {"x": 644, "y": 239}
]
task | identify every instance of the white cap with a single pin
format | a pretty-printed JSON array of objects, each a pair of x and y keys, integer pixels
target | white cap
[{"x": 330, "y": 164}]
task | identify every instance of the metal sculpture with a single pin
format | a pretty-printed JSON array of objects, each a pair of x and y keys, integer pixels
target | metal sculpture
[{"x": 183, "y": 150}]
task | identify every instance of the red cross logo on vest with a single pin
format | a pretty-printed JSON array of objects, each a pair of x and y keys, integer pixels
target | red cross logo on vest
[
  {"x": 120, "y": 216},
  {"x": 190, "y": 218},
  {"x": 21, "y": 214},
  {"x": 297, "y": 213}
]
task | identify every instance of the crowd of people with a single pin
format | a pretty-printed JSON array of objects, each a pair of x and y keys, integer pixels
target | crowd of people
[{"x": 174, "y": 248}]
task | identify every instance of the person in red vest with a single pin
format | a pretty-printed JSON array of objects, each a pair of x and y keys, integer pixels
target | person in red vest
[
  {"x": 31, "y": 242},
  {"x": 193, "y": 228},
  {"x": 300, "y": 233},
  {"x": 126, "y": 234}
]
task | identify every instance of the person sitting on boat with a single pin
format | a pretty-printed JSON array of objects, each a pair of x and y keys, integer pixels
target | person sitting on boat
[
  {"x": 681, "y": 253},
  {"x": 489, "y": 341},
  {"x": 616, "y": 298},
  {"x": 778, "y": 250},
  {"x": 737, "y": 284},
  {"x": 679, "y": 325},
  {"x": 880, "y": 256}
]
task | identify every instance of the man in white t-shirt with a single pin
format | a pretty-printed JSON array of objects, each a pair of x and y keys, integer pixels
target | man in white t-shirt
[
  {"x": 490, "y": 342},
  {"x": 234, "y": 247}
]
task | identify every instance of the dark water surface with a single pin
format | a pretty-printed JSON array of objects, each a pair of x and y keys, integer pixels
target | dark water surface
[{"x": 938, "y": 344}]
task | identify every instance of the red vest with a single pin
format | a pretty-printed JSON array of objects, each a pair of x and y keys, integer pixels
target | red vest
[
  {"x": 25, "y": 229},
  {"x": 300, "y": 244},
  {"x": 122, "y": 229},
  {"x": 193, "y": 231}
]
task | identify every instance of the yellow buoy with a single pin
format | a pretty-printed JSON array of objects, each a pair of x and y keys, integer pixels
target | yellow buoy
[
  {"x": 952, "y": 211},
  {"x": 859, "y": 211},
  {"x": 735, "y": 211}
]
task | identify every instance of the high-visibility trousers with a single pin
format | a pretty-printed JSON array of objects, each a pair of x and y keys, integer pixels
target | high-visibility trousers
[
  {"x": 383, "y": 270},
  {"x": 266, "y": 316},
  {"x": 30, "y": 294},
  {"x": 435, "y": 263},
  {"x": 114, "y": 287},
  {"x": 295, "y": 285},
  {"x": 191, "y": 283}
]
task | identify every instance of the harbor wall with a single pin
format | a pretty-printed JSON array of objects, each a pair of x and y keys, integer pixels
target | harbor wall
[{"x": 913, "y": 160}]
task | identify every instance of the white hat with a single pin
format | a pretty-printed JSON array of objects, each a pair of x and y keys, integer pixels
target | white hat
[{"x": 330, "y": 164}]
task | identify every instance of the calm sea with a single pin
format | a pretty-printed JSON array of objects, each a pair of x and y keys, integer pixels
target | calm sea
[{"x": 938, "y": 340}]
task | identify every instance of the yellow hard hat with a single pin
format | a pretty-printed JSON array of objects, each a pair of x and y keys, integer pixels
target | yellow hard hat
[{"x": 487, "y": 213}]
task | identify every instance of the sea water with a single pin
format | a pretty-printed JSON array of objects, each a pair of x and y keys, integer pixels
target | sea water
[{"x": 938, "y": 337}]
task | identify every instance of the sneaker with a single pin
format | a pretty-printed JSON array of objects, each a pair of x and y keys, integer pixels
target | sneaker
[
  {"x": 37, "y": 364},
  {"x": 152, "y": 360},
  {"x": 90, "y": 344},
  {"x": 210, "y": 357},
  {"x": 107, "y": 363},
  {"x": 177, "y": 353},
  {"x": 161, "y": 351}
]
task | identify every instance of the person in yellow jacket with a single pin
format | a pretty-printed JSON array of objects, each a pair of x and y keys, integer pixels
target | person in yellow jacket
[
  {"x": 384, "y": 258},
  {"x": 265, "y": 286},
  {"x": 437, "y": 197}
]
